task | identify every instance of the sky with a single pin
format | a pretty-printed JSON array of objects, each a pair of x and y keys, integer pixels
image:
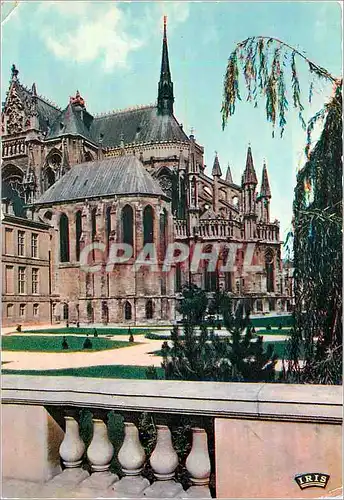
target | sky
[{"x": 111, "y": 53}]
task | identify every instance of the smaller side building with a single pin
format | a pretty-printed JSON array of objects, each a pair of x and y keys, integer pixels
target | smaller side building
[{"x": 26, "y": 264}]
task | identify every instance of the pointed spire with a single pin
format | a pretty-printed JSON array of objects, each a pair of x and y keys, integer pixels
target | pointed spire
[
  {"x": 165, "y": 87},
  {"x": 229, "y": 177},
  {"x": 265, "y": 191},
  {"x": 216, "y": 172},
  {"x": 34, "y": 90},
  {"x": 249, "y": 176}
]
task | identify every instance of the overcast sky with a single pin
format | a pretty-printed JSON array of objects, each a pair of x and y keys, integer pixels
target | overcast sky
[{"x": 110, "y": 52}]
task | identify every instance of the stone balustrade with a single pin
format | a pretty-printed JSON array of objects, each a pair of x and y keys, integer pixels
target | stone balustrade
[
  {"x": 15, "y": 147},
  {"x": 218, "y": 229},
  {"x": 180, "y": 228},
  {"x": 209, "y": 229},
  {"x": 268, "y": 232},
  {"x": 267, "y": 432}
]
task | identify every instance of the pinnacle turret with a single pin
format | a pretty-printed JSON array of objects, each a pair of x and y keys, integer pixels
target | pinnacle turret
[
  {"x": 229, "y": 177},
  {"x": 249, "y": 176},
  {"x": 165, "y": 87},
  {"x": 216, "y": 167},
  {"x": 265, "y": 191}
]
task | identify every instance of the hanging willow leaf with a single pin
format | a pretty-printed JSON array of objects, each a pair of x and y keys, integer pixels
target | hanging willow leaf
[
  {"x": 231, "y": 90},
  {"x": 262, "y": 75}
]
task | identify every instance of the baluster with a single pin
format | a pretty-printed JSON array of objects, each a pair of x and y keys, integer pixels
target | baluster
[
  {"x": 198, "y": 465},
  {"x": 131, "y": 457},
  {"x": 99, "y": 454},
  {"x": 71, "y": 452},
  {"x": 164, "y": 461}
]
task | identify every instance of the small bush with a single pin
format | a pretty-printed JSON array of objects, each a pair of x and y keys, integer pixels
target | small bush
[{"x": 151, "y": 373}]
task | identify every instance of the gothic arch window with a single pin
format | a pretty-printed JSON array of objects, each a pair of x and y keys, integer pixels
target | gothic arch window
[
  {"x": 163, "y": 232},
  {"x": 210, "y": 277},
  {"x": 269, "y": 268},
  {"x": 105, "y": 312},
  {"x": 13, "y": 177},
  {"x": 149, "y": 309},
  {"x": 127, "y": 220},
  {"x": 223, "y": 195},
  {"x": 108, "y": 225},
  {"x": 54, "y": 161},
  {"x": 165, "y": 181},
  {"x": 78, "y": 231},
  {"x": 64, "y": 238},
  {"x": 93, "y": 228},
  {"x": 65, "y": 312},
  {"x": 49, "y": 177},
  {"x": 178, "y": 277},
  {"x": 127, "y": 311},
  {"x": 148, "y": 225}
]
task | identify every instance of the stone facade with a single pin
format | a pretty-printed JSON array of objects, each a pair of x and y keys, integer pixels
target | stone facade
[
  {"x": 26, "y": 269},
  {"x": 42, "y": 143}
]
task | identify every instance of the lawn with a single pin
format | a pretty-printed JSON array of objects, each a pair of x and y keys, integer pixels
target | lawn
[
  {"x": 107, "y": 371},
  {"x": 54, "y": 344},
  {"x": 273, "y": 321}
]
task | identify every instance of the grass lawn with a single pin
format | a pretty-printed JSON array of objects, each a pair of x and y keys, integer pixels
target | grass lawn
[
  {"x": 107, "y": 371},
  {"x": 54, "y": 344},
  {"x": 273, "y": 321}
]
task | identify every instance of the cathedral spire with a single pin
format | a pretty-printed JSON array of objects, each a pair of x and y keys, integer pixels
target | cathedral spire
[
  {"x": 249, "y": 176},
  {"x": 165, "y": 86},
  {"x": 229, "y": 177},
  {"x": 265, "y": 191}
]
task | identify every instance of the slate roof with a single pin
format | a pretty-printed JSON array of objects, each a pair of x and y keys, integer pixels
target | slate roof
[
  {"x": 141, "y": 125},
  {"x": 123, "y": 175},
  {"x": 72, "y": 121}
]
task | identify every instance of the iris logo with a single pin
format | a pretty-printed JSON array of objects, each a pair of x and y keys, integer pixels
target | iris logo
[{"x": 316, "y": 479}]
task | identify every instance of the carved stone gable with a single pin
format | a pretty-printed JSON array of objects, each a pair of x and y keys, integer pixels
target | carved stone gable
[{"x": 15, "y": 113}]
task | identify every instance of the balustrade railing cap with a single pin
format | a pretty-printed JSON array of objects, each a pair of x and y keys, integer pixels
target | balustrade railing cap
[{"x": 291, "y": 402}]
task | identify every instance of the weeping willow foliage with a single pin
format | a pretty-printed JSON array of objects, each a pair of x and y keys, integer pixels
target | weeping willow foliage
[
  {"x": 264, "y": 63},
  {"x": 318, "y": 257}
]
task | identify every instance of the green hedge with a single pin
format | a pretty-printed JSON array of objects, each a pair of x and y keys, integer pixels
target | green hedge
[
  {"x": 106, "y": 371},
  {"x": 90, "y": 331},
  {"x": 46, "y": 343}
]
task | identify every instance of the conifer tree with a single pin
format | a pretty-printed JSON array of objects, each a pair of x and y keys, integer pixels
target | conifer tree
[{"x": 201, "y": 354}]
